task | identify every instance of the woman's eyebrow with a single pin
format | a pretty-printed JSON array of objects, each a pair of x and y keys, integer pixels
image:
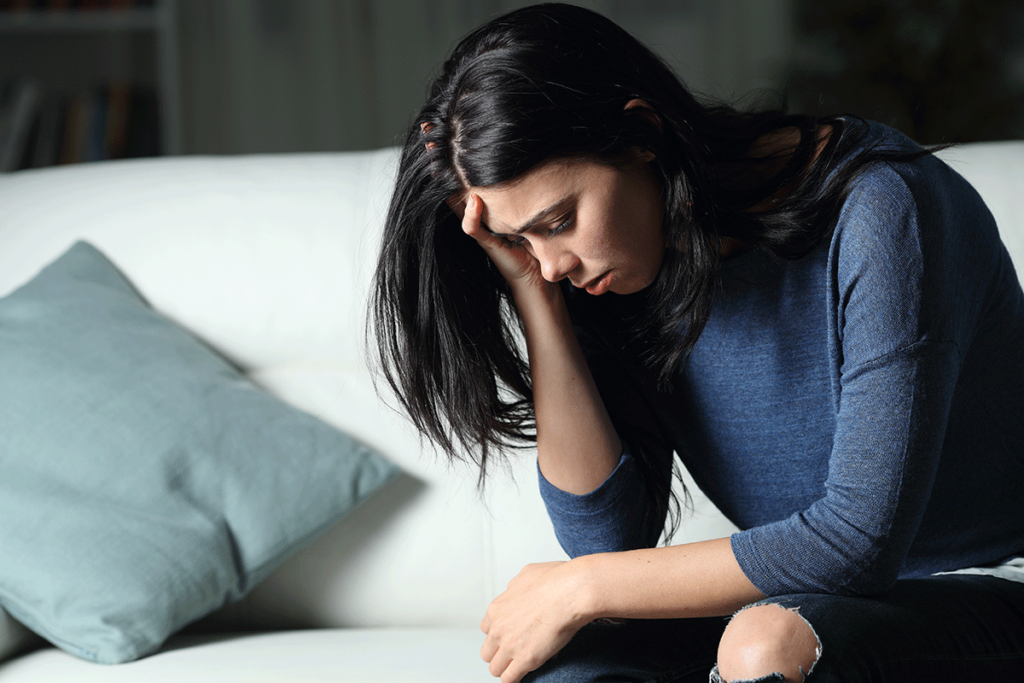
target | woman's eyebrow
[{"x": 537, "y": 218}]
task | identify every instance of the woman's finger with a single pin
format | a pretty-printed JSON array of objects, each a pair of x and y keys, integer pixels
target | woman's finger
[
  {"x": 499, "y": 663},
  {"x": 514, "y": 672},
  {"x": 471, "y": 216},
  {"x": 489, "y": 649},
  {"x": 515, "y": 263},
  {"x": 473, "y": 226},
  {"x": 496, "y": 247}
]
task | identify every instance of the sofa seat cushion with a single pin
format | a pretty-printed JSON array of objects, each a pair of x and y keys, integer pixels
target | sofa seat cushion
[{"x": 365, "y": 655}]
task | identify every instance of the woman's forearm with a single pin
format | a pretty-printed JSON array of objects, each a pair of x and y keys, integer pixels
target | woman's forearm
[
  {"x": 576, "y": 443},
  {"x": 691, "y": 580}
]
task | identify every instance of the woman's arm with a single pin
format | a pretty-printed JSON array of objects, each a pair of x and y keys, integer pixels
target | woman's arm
[
  {"x": 576, "y": 443},
  {"x": 577, "y": 446},
  {"x": 911, "y": 264},
  {"x": 546, "y": 604},
  {"x": 692, "y": 580}
]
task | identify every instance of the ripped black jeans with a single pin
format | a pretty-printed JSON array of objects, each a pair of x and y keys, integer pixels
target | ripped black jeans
[{"x": 939, "y": 629}]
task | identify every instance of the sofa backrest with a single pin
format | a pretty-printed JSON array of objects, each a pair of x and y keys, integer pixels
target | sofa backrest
[{"x": 996, "y": 170}]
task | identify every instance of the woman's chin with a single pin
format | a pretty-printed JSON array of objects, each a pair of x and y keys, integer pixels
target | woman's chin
[{"x": 631, "y": 286}]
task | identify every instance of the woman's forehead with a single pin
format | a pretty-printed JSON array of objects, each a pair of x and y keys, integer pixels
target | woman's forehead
[{"x": 537, "y": 195}]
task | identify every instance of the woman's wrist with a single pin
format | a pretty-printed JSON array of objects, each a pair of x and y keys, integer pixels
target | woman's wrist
[
  {"x": 587, "y": 577},
  {"x": 543, "y": 294}
]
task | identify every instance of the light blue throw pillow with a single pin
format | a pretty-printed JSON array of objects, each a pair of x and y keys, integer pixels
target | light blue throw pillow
[{"x": 143, "y": 481}]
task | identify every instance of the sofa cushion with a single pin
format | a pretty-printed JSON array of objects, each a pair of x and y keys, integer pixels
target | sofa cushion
[
  {"x": 144, "y": 481},
  {"x": 380, "y": 655}
]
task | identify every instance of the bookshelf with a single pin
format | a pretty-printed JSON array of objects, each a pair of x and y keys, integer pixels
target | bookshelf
[{"x": 99, "y": 78}]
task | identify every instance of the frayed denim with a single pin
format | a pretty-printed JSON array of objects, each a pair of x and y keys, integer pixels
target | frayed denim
[
  {"x": 770, "y": 678},
  {"x": 716, "y": 677},
  {"x": 942, "y": 629}
]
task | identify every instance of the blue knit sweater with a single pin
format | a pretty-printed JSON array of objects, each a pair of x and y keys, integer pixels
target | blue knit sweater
[{"x": 857, "y": 413}]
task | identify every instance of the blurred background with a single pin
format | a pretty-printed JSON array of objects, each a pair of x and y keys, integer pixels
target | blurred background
[{"x": 87, "y": 80}]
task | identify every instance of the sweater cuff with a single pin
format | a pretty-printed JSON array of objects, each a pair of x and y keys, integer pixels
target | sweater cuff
[{"x": 624, "y": 480}]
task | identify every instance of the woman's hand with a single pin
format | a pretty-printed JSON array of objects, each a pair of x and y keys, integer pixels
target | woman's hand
[
  {"x": 515, "y": 262},
  {"x": 533, "y": 619}
]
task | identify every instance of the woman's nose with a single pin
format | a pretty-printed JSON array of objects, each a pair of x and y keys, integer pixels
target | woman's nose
[{"x": 555, "y": 263}]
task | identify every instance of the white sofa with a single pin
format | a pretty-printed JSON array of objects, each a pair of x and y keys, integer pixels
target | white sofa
[{"x": 268, "y": 259}]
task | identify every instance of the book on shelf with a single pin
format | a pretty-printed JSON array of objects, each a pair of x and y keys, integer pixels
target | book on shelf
[
  {"x": 113, "y": 121},
  {"x": 18, "y": 106}
]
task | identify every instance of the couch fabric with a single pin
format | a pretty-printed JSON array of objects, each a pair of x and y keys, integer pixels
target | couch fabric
[{"x": 268, "y": 259}]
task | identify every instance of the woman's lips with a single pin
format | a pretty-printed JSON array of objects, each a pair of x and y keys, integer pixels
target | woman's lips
[{"x": 600, "y": 284}]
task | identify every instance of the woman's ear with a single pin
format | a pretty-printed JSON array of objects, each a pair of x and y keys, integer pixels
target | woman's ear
[{"x": 643, "y": 108}]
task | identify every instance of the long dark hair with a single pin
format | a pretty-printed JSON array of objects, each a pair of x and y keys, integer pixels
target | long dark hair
[{"x": 552, "y": 82}]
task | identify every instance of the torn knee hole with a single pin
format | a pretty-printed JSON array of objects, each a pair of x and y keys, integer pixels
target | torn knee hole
[{"x": 766, "y": 639}]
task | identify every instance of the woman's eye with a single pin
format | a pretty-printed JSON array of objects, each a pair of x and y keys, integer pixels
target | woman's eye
[
  {"x": 519, "y": 240},
  {"x": 561, "y": 228}
]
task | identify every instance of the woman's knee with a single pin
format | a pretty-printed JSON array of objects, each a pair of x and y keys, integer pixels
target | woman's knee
[{"x": 767, "y": 639}]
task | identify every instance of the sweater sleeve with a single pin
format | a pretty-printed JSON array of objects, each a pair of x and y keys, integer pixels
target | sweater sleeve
[
  {"x": 628, "y": 510},
  {"x": 607, "y": 519},
  {"x": 905, "y": 297}
]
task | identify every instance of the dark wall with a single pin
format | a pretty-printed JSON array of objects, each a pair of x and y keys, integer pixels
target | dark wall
[{"x": 939, "y": 70}]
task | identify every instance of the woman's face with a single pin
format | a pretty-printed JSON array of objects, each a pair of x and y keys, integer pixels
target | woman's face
[{"x": 596, "y": 224}]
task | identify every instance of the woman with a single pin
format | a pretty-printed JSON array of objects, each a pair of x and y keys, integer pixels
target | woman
[{"x": 816, "y": 316}]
